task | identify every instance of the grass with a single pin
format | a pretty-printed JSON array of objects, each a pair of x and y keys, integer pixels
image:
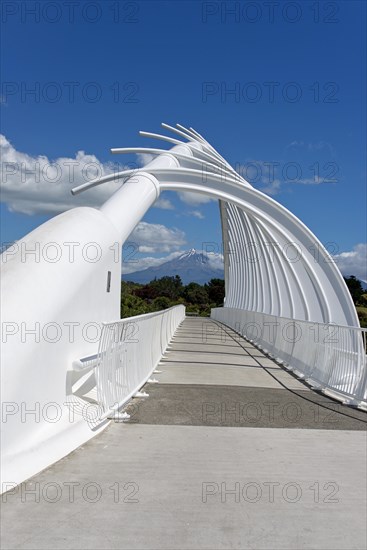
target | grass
[{"x": 362, "y": 314}]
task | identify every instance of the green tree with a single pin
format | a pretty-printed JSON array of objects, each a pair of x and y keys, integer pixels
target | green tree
[
  {"x": 133, "y": 305},
  {"x": 355, "y": 287},
  {"x": 215, "y": 289},
  {"x": 147, "y": 292},
  {"x": 168, "y": 291},
  {"x": 171, "y": 287},
  {"x": 162, "y": 302},
  {"x": 195, "y": 294}
]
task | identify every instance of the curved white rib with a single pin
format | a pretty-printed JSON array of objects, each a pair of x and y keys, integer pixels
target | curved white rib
[
  {"x": 197, "y": 175},
  {"x": 196, "y": 161},
  {"x": 307, "y": 289}
]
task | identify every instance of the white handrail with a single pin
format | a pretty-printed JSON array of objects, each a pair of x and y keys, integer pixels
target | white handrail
[
  {"x": 329, "y": 357},
  {"x": 129, "y": 351}
]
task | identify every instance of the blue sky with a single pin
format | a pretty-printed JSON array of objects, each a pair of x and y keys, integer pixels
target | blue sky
[{"x": 280, "y": 94}]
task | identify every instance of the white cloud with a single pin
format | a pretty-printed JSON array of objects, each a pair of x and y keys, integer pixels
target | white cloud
[
  {"x": 317, "y": 180},
  {"x": 194, "y": 199},
  {"x": 271, "y": 176},
  {"x": 154, "y": 238},
  {"x": 272, "y": 189},
  {"x": 163, "y": 203},
  {"x": 144, "y": 158},
  {"x": 353, "y": 262},
  {"x": 134, "y": 263},
  {"x": 261, "y": 174},
  {"x": 216, "y": 261},
  {"x": 35, "y": 184},
  {"x": 195, "y": 214},
  {"x": 296, "y": 144},
  {"x": 312, "y": 146}
]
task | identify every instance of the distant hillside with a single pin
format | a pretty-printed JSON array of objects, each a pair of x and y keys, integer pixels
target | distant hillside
[{"x": 190, "y": 266}]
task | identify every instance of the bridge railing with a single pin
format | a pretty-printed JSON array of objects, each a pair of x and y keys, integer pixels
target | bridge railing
[
  {"x": 129, "y": 351},
  {"x": 331, "y": 358}
]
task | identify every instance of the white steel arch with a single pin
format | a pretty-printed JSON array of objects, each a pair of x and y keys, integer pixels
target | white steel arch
[
  {"x": 265, "y": 286},
  {"x": 273, "y": 263}
]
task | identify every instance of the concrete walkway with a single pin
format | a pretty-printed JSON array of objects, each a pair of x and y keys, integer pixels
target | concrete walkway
[{"x": 229, "y": 451}]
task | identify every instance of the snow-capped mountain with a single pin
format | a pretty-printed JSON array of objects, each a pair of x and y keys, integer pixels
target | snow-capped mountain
[{"x": 191, "y": 266}]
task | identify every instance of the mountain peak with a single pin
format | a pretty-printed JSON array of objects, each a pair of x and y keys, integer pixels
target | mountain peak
[
  {"x": 188, "y": 254},
  {"x": 191, "y": 266}
]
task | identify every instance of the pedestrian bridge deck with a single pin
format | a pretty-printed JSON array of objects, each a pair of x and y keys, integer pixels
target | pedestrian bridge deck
[{"x": 228, "y": 451}]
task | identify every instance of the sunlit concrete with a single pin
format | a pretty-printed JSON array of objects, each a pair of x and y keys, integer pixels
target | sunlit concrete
[
  {"x": 171, "y": 467},
  {"x": 196, "y": 468},
  {"x": 199, "y": 373}
]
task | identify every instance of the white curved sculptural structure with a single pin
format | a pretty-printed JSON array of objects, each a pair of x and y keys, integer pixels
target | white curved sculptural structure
[{"x": 54, "y": 356}]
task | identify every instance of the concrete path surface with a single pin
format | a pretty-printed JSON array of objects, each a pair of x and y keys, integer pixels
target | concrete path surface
[{"x": 229, "y": 451}]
